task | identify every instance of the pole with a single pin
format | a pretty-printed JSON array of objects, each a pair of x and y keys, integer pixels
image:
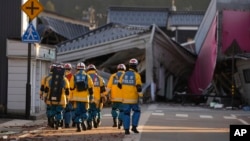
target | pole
[
  {"x": 232, "y": 88},
  {"x": 28, "y": 85}
]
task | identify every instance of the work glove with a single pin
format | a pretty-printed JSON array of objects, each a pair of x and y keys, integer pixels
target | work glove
[
  {"x": 103, "y": 99},
  {"x": 41, "y": 96},
  {"x": 91, "y": 99},
  {"x": 103, "y": 94},
  {"x": 119, "y": 85},
  {"x": 140, "y": 94}
]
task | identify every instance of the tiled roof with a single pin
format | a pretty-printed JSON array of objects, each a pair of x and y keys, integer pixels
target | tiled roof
[
  {"x": 138, "y": 16},
  {"x": 100, "y": 35},
  {"x": 65, "y": 29},
  {"x": 185, "y": 18}
]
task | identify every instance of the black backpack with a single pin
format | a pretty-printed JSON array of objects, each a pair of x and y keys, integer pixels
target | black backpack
[
  {"x": 81, "y": 81},
  {"x": 56, "y": 83}
]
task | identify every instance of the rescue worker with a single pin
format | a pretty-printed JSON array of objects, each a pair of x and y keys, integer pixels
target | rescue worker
[
  {"x": 82, "y": 87},
  {"x": 131, "y": 85},
  {"x": 68, "y": 111},
  {"x": 43, "y": 94},
  {"x": 57, "y": 89},
  {"x": 96, "y": 103},
  {"x": 116, "y": 95}
]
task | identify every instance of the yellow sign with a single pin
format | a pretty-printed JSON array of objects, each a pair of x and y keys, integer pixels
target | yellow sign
[{"x": 32, "y": 8}]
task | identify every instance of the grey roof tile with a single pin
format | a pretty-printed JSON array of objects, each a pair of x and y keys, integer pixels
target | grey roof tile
[
  {"x": 100, "y": 35},
  {"x": 185, "y": 18},
  {"x": 138, "y": 15},
  {"x": 65, "y": 29}
]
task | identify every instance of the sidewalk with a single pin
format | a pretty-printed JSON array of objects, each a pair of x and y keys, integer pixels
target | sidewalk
[
  {"x": 17, "y": 127},
  {"x": 37, "y": 130},
  {"x": 11, "y": 128}
]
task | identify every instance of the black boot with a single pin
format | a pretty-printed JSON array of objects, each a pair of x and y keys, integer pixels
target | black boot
[
  {"x": 119, "y": 124},
  {"x": 95, "y": 123},
  {"x": 98, "y": 122},
  {"x": 134, "y": 129},
  {"x": 89, "y": 124},
  {"x": 115, "y": 122},
  {"x": 66, "y": 125},
  {"x": 51, "y": 122},
  {"x": 78, "y": 127},
  {"x": 73, "y": 124},
  {"x": 83, "y": 126},
  {"x": 58, "y": 125},
  {"x": 127, "y": 132},
  {"x": 61, "y": 123}
]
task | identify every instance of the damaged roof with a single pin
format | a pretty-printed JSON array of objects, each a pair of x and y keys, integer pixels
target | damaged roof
[
  {"x": 158, "y": 16},
  {"x": 138, "y": 15},
  {"x": 65, "y": 29},
  {"x": 104, "y": 34},
  {"x": 185, "y": 18}
]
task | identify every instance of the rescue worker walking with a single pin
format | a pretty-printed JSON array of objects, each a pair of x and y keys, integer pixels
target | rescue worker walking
[
  {"x": 116, "y": 95},
  {"x": 131, "y": 85},
  {"x": 96, "y": 103},
  {"x": 57, "y": 89},
  {"x": 43, "y": 94},
  {"x": 68, "y": 111},
  {"x": 82, "y": 87}
]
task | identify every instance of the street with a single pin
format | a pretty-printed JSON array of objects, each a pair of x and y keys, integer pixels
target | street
[{"x": 159, "y": 122}]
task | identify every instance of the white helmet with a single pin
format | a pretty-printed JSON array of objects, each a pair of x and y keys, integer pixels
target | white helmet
[
  {"x": 121, "y": 67},
  {"x": 91, "y": 66},
  {"x": 133, "y": 62},
  {"x": 80, "y": 66},
  {"x": 68, "y": 66}
]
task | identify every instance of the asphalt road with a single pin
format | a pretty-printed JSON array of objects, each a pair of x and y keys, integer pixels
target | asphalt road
[
  {"x": 189, "y": 123},
  {"x": 159, "y": 122}
]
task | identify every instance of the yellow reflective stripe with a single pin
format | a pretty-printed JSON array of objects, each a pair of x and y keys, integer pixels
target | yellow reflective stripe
[
  {"x": 116, "y": 99},
  {"x": 79, "y": 99},
  {"x": 130, "y": 100}
]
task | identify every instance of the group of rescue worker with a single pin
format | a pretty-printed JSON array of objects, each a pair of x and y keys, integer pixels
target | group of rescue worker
[{"x": 78, "y": 98}]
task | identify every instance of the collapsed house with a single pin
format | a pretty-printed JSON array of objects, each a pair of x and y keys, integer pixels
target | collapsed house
[
  {"x": 160, "y": 58},
  {"x": 222, "y": 45},
  {"x": 164, "y": 64}
]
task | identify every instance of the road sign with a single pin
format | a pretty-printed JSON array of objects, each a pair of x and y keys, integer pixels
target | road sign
[
  {"x": 31, "y": 35},
  {"x": 32, "y": 8}
]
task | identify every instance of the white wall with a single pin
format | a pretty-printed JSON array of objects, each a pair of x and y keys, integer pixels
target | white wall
[
  {"x": 42, "y": 69},
  {"x": 17, "y": 53},
  {"x": 17, "y": 78}
]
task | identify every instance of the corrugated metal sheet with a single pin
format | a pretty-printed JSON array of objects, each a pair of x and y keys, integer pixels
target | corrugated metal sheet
[
  {"x": 205, "y": 25},
  {"x": 138, "y": 16},
  {"x": 10, "y": 14}
]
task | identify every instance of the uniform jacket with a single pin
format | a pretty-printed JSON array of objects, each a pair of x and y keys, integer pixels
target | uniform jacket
[
  {"x": 129, "y": 80},
  {"x": 116, "y": 93},
  {"x": 80, "y": 96},
  {"x": 63, "y": 99},
  {"x": 69, "y": 77},
  {"x": 98, "y": 82},
  {"x": 42, "y": 87}
]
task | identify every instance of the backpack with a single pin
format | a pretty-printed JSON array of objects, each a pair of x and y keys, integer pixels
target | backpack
[
  {"x": 81, "y": 81},
  {"x": 56, "y": 84}
]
